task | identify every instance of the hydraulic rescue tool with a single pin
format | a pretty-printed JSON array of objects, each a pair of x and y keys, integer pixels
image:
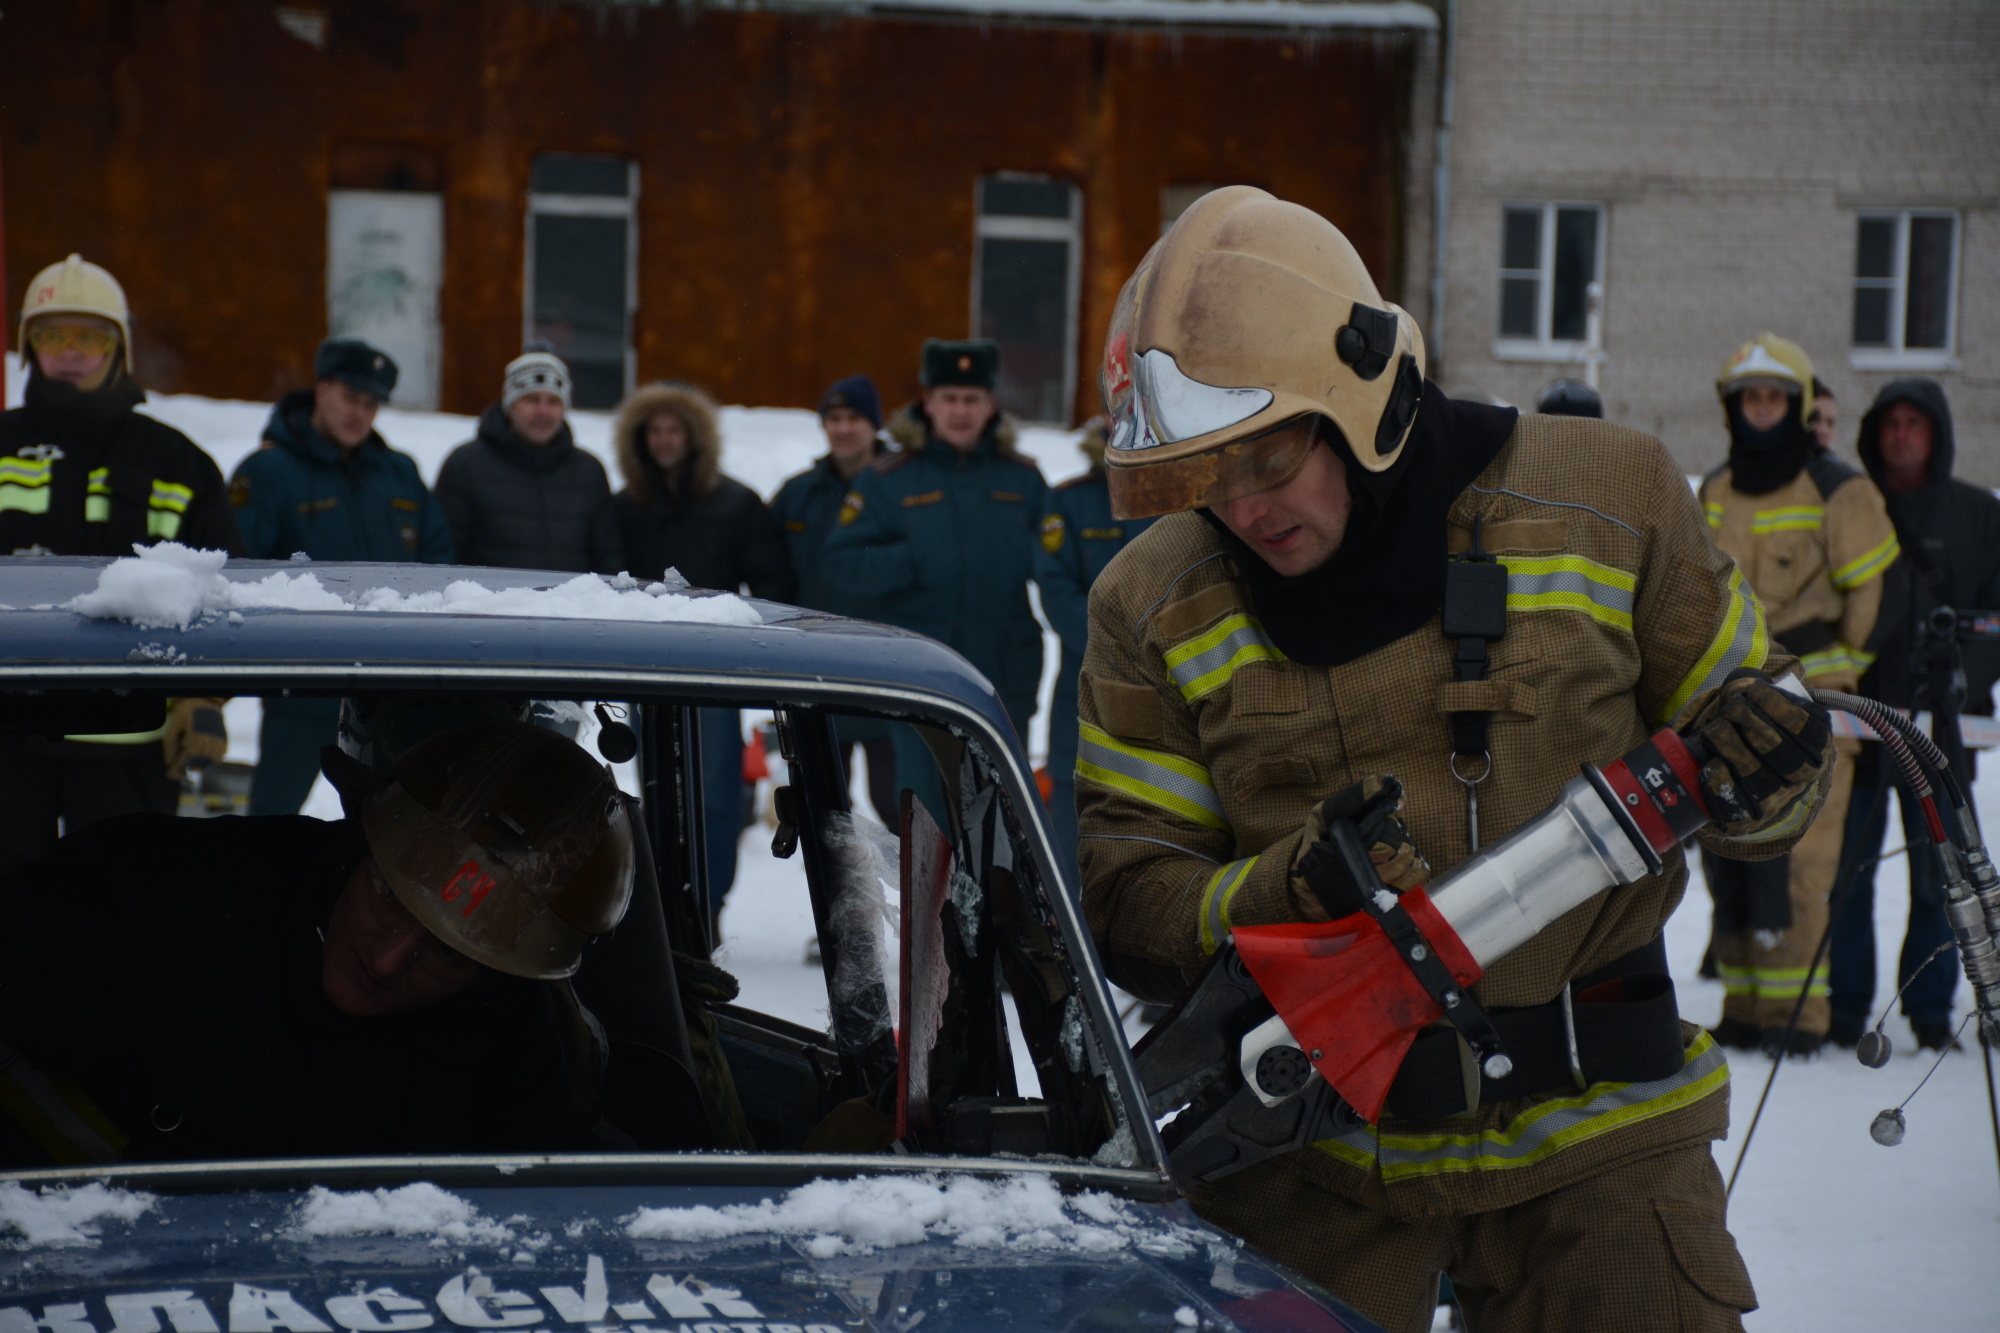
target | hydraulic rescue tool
[{"x": 1296, "y": 1033}]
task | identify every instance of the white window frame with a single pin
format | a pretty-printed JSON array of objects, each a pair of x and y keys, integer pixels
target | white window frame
[
  {"x": 591, "y": 206},
  {"x": 1006, "y": 227},
  {"x": 1541, "y": 347},
  {"x": 1896, "y": 356}
]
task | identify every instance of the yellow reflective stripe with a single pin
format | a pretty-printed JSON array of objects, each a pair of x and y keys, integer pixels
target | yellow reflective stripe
[
  {"x": 123, "y": 737},
  {"x": 1823, "y": 661},
  {"x": 1791, "y": 518},
  {"x": 24, "y": 484},
  {"x": 1176, "y": 785},
  {"x": 1571, "y": 583},
  {"x": 162, "y": 524},
  {"x": 1205, "y": 663},
  {"x": 1867, "y": 565},
  {"x": 1713, "y": 511},
  {"x": 97, "y": 496},
  {"x": 29, "y": 500},
  {"x": 1787, "y": 824},
  {"x": 1741, "y": 641},
  {"x": 1548, "y": 1127},
  {"x": 99, "y": 482},
  {"x": 1773, "y": 983},
  {"x": 171, "y": 496},
  {"x": 1357, "y": 1147},
  {"x": 1222, "y": 887}
]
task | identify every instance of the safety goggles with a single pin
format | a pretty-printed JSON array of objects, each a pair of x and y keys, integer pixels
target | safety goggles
[
  {"x": 48, "y": 339},
  {"x": 1213, "y": 477}
]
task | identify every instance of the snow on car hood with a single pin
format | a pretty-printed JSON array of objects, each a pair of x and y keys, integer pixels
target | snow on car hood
[
  {"x": 967, "y": 1255},
  {"x": 173, "y": 586}
]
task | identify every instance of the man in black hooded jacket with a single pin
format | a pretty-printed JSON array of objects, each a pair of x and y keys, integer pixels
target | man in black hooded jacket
[
  {"x": 520, "y": 494},
  {"x": 1950, "y": 535}
]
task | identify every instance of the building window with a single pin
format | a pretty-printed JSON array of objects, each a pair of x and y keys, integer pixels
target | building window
[
  {"x": 1905, "y": 264},
  {"x": 583, "y": 269},
  {"x": 1551, "y": 255},
  {"x": 1025, "y": 279}
]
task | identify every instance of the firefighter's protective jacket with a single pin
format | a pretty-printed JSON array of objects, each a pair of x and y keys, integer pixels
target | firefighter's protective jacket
[
  {"x": 1203, "y": 749},
  {"x": 1815, "y": 551}
]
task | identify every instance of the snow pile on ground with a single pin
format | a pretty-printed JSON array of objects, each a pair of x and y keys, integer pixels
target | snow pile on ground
[
  {"x": 879, "y": 1212},
  {"x": 172, "y": 586},
  {"x": 66, "y": 1215},
  {"x": 421, "y": 1209}
]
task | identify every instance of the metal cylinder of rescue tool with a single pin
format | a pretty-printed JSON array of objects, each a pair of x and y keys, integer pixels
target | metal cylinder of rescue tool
[{"x": 1610, "y": 826}]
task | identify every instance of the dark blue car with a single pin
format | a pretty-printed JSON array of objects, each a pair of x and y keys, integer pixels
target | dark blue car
[{"x": 1021, "y": 1192}]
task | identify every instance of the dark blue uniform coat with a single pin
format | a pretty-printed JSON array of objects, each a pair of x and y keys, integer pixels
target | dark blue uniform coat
[
  {"x": 807, "y": 507},
  {"x": 300, "y": 494},
  {"x": 945, "y": 543},
  {"x": 1079, "y": 537}
]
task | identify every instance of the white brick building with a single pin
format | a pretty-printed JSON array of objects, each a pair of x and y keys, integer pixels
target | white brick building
[{"x": 1722, "y": 166}]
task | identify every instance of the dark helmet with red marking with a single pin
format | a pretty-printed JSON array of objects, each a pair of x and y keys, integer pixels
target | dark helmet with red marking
[{"x": 509, "y": 842}]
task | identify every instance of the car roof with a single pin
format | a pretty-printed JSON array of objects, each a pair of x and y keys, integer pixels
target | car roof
[{"x": 48, "y": 645}]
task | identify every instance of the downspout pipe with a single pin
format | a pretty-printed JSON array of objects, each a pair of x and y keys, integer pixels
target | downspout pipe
[{"x": 1441, "y": 180}]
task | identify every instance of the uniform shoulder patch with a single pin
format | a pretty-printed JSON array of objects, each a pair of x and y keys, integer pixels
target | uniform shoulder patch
[
  {"x": 795, "y": 525},
  {"x": 1007, "y": 497},
  {"x": 884, "y": 464},
  {"x": 239, "y": 490},
  {"x": 926, "y": 498},
  {"x": 1052, "y": 533},
  {"x": 850, "y": 508}
]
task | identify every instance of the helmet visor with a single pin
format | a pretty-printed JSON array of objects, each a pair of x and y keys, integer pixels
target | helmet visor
[{"x": 1216, "y": 476}]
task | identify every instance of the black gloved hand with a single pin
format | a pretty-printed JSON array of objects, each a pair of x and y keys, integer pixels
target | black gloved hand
[
  {"x": 1320, "y": 882},
  {"x": 1759, "y": 749}
]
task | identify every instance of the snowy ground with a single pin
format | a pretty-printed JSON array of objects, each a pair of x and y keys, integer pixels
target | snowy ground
[{"x": 1839, "y": 1233}]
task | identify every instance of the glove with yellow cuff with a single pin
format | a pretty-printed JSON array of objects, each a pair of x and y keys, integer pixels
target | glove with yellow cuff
[
  {"x": 195, "y": 736},
  {"x": 1322, "y": 887}
]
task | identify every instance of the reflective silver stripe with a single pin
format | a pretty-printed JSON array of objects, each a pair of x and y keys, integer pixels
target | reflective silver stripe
[
  {"x": 60, "y": 1114},
  {"x": 1222, "y": 887},
  {"x": 1176, "y": 785},
  {"x": 1571, "y": 583},
  {"x": 1205, "y": 664}
]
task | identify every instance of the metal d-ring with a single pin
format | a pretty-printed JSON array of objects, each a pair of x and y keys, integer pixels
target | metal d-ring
[{"x": 1471, "y": 786}]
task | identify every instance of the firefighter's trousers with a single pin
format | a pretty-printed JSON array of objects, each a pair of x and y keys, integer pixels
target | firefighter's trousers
[{"x": 1641, "y": 1248}]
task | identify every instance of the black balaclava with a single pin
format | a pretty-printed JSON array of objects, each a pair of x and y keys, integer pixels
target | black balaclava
[
  {"x": 1760, "y": 461},
  {"x": 58, "y": 410},
  {"x": 1388, "y": 576}
]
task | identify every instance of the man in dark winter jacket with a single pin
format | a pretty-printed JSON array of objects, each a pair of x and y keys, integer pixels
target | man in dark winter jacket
[
  {"x": 679, "y": 512},
  {"x": 1079, "y": 537},
  {"x": 82, "y": 473},
  {"x": 942, "y": 534},
  {"x": 808, "y": 508},
  {"x": 326, "y": 484},
  {"x": 1950, "y": 534},
  {"x": 520, "y": 494}
]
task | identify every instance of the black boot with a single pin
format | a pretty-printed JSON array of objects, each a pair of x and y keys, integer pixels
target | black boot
[
  {"x": 1936, "y": 1036},
  {"x": 1774, "y": 1043},
  {"x": 1844, "y": 1032},
  {"x": 1735, "y": 1033}
]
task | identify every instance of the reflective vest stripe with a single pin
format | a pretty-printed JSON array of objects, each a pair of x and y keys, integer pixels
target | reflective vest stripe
[
  {"x": 1742, "y": 640},
  {"x": 1837, "y": 658},
  {"x": 1771, "y": 983},
  {"x": 1205, "y": 664},
  {"x": 62, "y": 1120},
  {"x": 1791, "y": 518},
  {"x": 1571, "y": 583},
  {"x": 1713, "y": 512},
  {"x": 1867, "y": 565},
  {"x": 97, "y": 496},
  {"x": 1222, "y": 887},
  {"x": 1545, "y": 1128},
  {"x": 164, "y": 508},
  {"x": 1176, "y": 785},
  {"x": 24, "y": 484}
]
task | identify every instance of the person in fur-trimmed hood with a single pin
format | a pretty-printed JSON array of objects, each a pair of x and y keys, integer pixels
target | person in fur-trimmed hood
[{"x": 678, "y": 511}]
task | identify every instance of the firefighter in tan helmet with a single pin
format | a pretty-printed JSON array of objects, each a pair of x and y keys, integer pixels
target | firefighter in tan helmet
[
  {"x": 1270, "y": 657},
  {"x": 278, "y": 986},
  {"x": 1814, "y": 538}
]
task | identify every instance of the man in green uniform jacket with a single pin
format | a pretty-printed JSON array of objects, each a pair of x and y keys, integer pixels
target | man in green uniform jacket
[
  {"x": 941, "y": 534},
  {"x": 326, "y": 484}
]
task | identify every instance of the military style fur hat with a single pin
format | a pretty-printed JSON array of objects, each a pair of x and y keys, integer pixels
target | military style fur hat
[{"x": 974, "y": 363}]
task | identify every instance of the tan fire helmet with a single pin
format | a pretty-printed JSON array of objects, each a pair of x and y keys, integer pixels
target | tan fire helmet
[
  {"x": 78, "y": 287},
  {"x": 1247, "y": 323},
  {"x": 508, "y": 842},
  {"x": 1769, "y": 359}
]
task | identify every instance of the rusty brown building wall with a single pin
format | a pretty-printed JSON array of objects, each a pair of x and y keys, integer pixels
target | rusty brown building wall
[{"x": 807, "y": 182}]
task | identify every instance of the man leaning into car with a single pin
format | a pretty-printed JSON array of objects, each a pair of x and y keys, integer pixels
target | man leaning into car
[{"x": 278, "y": 986}]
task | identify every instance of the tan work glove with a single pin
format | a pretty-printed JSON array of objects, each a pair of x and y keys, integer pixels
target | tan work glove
[
  {"x": 196, "y": 736},
  {"x": 1322, "y": 886},
  {"x": 1759, "y": 749}
]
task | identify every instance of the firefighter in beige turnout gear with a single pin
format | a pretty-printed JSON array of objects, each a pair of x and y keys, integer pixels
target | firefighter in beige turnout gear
[
  {"x": 1814, "y": 539},
  {"x": 1252, "y": 661}
]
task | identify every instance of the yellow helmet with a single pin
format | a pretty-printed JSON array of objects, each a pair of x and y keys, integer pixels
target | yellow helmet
[
  {"x": 1769, "y": 359},
  {"x": 1245, "y": 324},
  {"x": 78, "y": 287},
  {"x": 508, "y": 842}
]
